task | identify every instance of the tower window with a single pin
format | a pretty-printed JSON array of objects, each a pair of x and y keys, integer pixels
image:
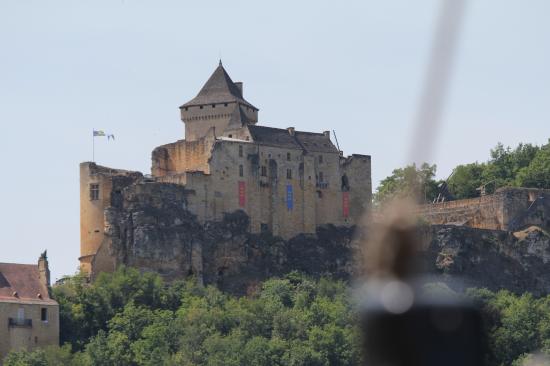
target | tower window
[
  {"x": 288, "y": 156},
  {"x": 240, "y": 151},
  {"x": 94, "y": 192},
  {"x": 44, "y": 314},
  {"x": 263, "y": 171},
  {"x": 201, "y": 107},
  {"x": 213, "y": 106},
  {"x": 320, "y": 159},
  {"x": 289, "y": 174},
  {"x": 321, "y": 177},
  {"x": 241, "y": 171},
  {"x": 225, "y": 104}
]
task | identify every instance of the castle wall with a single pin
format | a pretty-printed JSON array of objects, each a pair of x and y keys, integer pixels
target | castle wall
[
  {"x": 92, "y": 209},
  {"x": 200, "y": 119},
  {"x": 182, "y": 156},
  {"x": 506, "y": 209}
]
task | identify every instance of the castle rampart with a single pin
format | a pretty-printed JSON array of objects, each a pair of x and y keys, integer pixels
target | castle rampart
[{"x": 507, "y": 209}]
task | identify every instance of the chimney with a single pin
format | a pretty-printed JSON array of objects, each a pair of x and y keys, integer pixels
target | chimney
[
  {"x": 327, "y": 134},
  {"x": 44, "y": 269},
  {"x": 290, "y": 131},
  {"x": 239, "y": 85}
]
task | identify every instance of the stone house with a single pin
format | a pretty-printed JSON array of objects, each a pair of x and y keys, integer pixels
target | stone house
[
  {"x": 287, "y": 181},
  {"x": 29, "y": 318}
]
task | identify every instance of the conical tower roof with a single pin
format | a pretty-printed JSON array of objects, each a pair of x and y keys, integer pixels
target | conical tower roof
[{"x": 218, "y": 89}]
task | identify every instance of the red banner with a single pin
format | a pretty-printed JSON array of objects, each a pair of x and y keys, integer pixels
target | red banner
[
  {"x": 242, "y": 194},
  {"x": 345, "y": 203}
]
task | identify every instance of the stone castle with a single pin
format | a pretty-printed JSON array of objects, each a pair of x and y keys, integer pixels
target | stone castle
[{"x": 288, "y": 182}]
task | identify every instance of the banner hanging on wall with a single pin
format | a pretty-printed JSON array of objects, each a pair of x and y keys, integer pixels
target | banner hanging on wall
[
  {"x": 345, "y": 204},
  {"x": 289, "y": 197},
  {"x": 242, "y": 194}
]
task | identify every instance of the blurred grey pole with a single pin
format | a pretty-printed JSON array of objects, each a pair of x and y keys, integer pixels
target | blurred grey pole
[
  {"x": 403, "y": 326},
  {"x": 436, "y": 80}
]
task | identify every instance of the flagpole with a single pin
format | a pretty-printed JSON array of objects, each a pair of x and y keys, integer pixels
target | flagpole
[{"x": 93, "y": 147}]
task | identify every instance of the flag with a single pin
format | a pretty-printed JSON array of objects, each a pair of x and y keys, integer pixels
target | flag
[{"x": 99, "y": 133}]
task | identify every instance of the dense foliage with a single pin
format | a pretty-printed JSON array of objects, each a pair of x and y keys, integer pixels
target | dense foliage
[
  {"x": 129, "y": 318},
  {"x": 408, "y": 181},
  {"x": 525, "y": 166}
]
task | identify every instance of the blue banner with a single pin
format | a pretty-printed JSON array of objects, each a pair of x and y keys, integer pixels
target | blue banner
[{"x": 289, "y": 197}]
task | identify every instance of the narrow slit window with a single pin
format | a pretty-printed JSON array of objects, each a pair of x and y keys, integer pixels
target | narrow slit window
[
  {"x": 289, "y": 174},
  {"x": 241, "y": 171},
  {"x": 288, "y": 156},
  {"x": 240, "y": 151},
  {"x": 263, "y": 171},
  {"x": 320, "y": 159}
]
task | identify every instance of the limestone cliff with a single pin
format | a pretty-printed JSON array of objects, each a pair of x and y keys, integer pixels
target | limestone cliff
[{"x": 148, "y": 226}]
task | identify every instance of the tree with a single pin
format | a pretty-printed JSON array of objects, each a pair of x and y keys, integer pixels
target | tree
[{"x": 409, "y": 182}]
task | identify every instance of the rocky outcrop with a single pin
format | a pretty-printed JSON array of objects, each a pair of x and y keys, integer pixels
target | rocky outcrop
[{"x": 149, "y": 227}]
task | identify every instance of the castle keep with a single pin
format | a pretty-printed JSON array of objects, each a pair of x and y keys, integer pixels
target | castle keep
[{"x": 288, "y": 182}]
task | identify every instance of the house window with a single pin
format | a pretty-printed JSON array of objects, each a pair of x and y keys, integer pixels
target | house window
[
  {"x": 263, "y": 172},
  {"x": 288, "y": 156},
  {"x": 44, "y": 314},
  {"x": 201, "y": 107},
  {"x": 264, "y": 228},
  {"x": 289, "y": 174},
  {"x": 240, "y": 151},
  {"x": 320, "y": 159},
  {"x": 230, "y": 136},
  {"x": 225, "y": 104},
  {"x": 241, "y": 171},
  {"x": 94, "y": 192},
  {"x": 213, "y": 106}
]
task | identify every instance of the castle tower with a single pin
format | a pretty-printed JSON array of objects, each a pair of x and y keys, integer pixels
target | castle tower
[{"x": 219, "y": 105}]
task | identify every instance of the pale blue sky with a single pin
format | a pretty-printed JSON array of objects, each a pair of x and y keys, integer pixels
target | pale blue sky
[{"x": 357, "y": 67}]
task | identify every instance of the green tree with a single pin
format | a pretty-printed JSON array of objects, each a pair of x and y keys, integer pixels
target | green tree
[{"x": 409, "y": 181}]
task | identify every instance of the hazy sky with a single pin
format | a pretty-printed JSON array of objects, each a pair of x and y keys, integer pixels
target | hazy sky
[{"x": 67, "y": 67}]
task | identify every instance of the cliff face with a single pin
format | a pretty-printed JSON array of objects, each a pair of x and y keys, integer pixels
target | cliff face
[{"x": 149, "y": 227}]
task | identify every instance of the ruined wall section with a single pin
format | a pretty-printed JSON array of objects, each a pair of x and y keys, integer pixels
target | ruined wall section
[
  {"x": 182, "y": 156},
  {"x": 507, "y": 209},
  {"x": 98, "y": 186}
]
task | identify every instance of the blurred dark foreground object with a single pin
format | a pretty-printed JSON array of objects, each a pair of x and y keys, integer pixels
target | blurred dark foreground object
[
  {"x": 403, "y": 325},
  {"x": 429, "y": 332}
]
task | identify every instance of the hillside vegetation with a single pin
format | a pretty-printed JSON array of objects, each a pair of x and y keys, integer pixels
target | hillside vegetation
[{"x": 128, "y": 318}]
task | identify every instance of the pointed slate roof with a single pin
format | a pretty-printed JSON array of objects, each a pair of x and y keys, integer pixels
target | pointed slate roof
[
  {"x": 218, "y": 89},
  {"x": 238, "y": 118}
]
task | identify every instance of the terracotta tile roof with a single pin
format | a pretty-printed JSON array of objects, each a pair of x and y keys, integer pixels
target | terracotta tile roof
[
  {"x": 218, "y": 89},
  {"x": 25, "y": 280}
]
